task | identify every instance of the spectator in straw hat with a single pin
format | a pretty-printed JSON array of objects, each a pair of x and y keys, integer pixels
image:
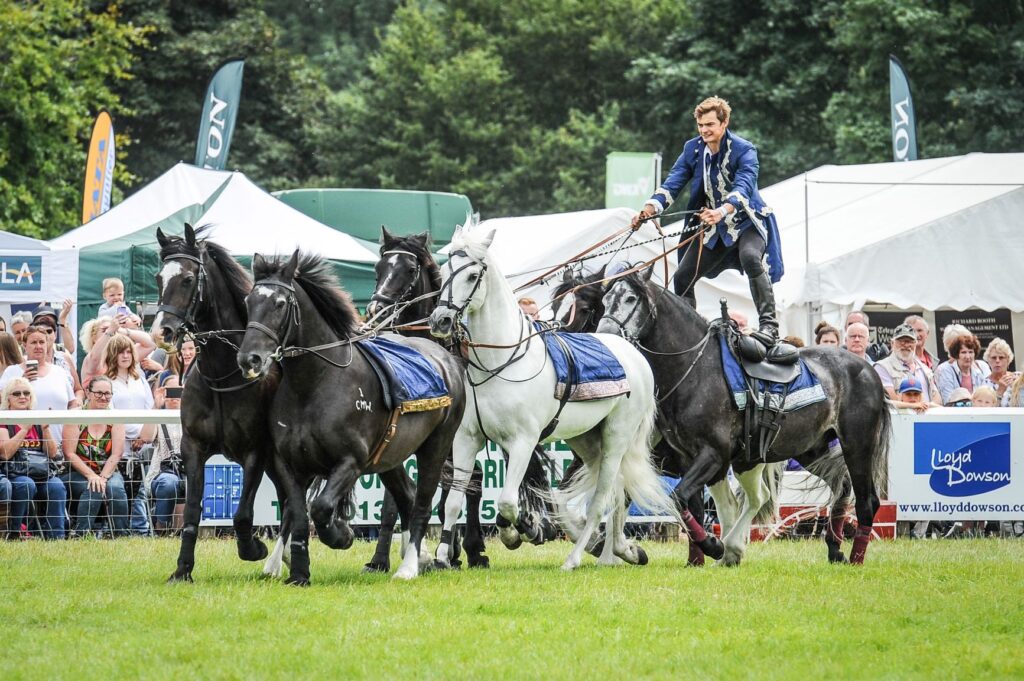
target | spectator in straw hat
[{"x": 959, "y": 397}]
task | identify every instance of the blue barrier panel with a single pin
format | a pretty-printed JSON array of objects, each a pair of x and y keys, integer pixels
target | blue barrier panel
[{"x": 221, "y": 491}]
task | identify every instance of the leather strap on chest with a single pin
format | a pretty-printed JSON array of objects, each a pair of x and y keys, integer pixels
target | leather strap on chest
[{"x": 389, "y": 434}]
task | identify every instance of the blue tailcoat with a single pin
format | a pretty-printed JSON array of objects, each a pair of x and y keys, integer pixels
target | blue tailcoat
[{"x": 732, "y": 179}]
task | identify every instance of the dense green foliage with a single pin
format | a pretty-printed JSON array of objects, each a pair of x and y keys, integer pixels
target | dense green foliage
[
  {"x": 916, "y": 610},
  {"x": 515, "y": 104}
]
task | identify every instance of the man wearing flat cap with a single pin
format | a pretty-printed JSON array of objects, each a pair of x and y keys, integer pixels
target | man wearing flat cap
[{"x": 902, "y": 362}]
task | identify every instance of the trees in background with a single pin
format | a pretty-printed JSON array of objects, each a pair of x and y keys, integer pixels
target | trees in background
[{"x": 515, "y": 104}]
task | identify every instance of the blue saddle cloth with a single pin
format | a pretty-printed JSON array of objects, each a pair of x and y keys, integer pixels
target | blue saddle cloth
[
  {"x": 411, "y": 380},
  {"x": 805, "y": 389},
  {"x": 597, "y": 373}
]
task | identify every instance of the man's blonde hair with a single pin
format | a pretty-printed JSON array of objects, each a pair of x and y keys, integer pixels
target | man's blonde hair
[{"x": 716, "y": 104}]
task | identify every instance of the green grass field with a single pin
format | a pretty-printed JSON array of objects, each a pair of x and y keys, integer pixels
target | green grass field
[{"x": 926, "y": 609}]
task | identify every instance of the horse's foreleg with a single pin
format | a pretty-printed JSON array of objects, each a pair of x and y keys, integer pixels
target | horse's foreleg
[
  {"x": 464, "y": 450},
  {"x": 607, "y": 479},
  {"x": 296, "y": 518},
  {"x": 381, "y": 560},
  {"x": 249, "y": 547},
  {"x": 704, "y": 467},
  {"x": 513, "y": 526},
  {"x": 194, "y": 461},
  {"x": 334, "y": 530},
  {"x": 272, "y": 567},
  {"x": 474, "y": 539}
]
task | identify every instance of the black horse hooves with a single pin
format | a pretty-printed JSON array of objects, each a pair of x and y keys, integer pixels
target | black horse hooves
[
  {"x": 180, "y": 578},
  {"x": 372, "y": 567},
  {"x": 480, "y": 561},
  {"x": 641, "y": 556},
  {"x": 253, "y": 550},
  {"x": 713, "y": 547},
  {"x": 597, "y": 549},
  {"x": 837, "y": 557},
  {"x": 441, "y": 565},
  {"x": 297, "y": 581}
]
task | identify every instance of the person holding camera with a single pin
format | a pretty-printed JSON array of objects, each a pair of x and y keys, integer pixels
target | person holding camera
[
  {"x": 30, "y": 462},
  {"x": 165, "y": 478},
  {"x": 52, "y": 386},
  {"x": 94, "y": 363}
]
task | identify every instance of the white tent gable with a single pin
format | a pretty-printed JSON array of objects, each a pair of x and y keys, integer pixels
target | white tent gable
[
  {"x": 245, "y": 218},
  {"x": 913, "y": 234},
  {"x": 180, "y": 186}
]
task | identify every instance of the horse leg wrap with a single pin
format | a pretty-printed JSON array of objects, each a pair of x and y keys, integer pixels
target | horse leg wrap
[
  {"x": 835, "y": 529},
  {"x": 696, "y": 557},
  {"x": 860, "y": 545},
  {"x": 446, "y": 538},
  {"x": 693, "y": 528},
  {"x": 502, "y": 522}
]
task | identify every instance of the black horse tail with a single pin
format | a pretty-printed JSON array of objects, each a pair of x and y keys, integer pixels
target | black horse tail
[
  {"x": 880, "y": 454},
  {"x": 535, "y": 491}
]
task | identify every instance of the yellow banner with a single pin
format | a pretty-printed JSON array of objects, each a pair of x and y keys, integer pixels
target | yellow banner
[{"x": 99, "y": 169}]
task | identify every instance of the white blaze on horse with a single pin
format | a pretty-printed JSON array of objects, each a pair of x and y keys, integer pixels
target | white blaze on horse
[{"x": 510, "y": 386}]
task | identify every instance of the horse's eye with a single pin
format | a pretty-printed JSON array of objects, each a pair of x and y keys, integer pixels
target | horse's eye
[
  {"x": 473, "y": 277},
  {"x": 411, "y": 270},
  {"x": 630, "y": 299},
  {"x": 189, "y": 278},
  {"x": 279, "y": 302}
]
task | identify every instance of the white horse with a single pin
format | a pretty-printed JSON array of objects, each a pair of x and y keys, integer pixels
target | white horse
[{"x": 510, "y": 392}]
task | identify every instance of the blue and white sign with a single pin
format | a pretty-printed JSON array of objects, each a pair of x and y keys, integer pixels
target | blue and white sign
[
  {"x": 21, "y": 272},
  {"x": 958, "y": 464}
]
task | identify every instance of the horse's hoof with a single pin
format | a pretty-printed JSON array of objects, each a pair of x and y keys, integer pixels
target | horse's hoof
[
  {"x": 713, "y": 547},
  {"x": 837, "y": 557},
  {"x": 253, "y": 550},
  {"x": 372, "y": 567},
  {"x": 481, "y": 561},
  {"x": 297, "y": 581},
  {"x": 641, "y": 556},
  {"x": 406, "y": 574},
  {"x": 569, "y": 565},
  {"x": 180, "y": 578},
  {"x": 510, "y": 538},
  {"x": 441, "y": 565},
  {"x": 596, "y": 549}
]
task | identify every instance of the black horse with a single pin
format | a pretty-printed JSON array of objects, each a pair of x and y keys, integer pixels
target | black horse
[
  {"x": 586, "y": 291},
  {"x": 408, "y": 273},
  {"x": 329, "y": 413},
  {"x": 699, "y": 419},
  {"x": 202, "y": 291}
]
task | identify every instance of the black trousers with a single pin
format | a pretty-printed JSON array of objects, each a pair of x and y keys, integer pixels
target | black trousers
[{"x": 750, "y": 248}]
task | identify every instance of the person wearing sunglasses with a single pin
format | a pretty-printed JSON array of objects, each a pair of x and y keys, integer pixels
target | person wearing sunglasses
[
  {"x": 52, "y": 386},
  {"x": 93, "y": 451},
  {"x": 30, "y": 459},
  {"x": 59, "y": 355}
]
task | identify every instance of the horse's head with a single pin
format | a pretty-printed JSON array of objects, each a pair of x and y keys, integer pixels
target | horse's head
[
  {"x": 180, "y": 281},
  {"x": 464, "y": 282},
  {"x": 629, "y": 306},
  {"x": 398, "y": 269},
  {"x": 272, "y": 309},
  {"x": 585, "y": 296}
]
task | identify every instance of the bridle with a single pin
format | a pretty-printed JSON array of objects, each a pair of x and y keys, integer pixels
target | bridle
[
  {"x": 412, "y": 282},
  {"x": 634, "y": 339},
  {"x": 449, "y": 302},
  {"x": 291, "y": 320},
  {"x": 188, "y": 315}
]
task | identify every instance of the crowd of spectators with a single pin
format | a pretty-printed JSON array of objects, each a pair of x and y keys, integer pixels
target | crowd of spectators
[{"x": 97, "y": 476}]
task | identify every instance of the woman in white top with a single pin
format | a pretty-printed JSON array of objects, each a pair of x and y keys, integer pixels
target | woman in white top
[
  {"x": 131, "y": 391},
  {"x": 52, "y": 385}
]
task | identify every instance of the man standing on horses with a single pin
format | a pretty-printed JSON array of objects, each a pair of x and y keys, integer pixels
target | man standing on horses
[{"x": 739, "y": 231}]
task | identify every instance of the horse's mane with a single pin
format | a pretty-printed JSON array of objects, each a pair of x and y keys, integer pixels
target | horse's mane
[
  {"x": 584, "y": 291},
  {"x": 472, "y": 243},
  {"x": 422, "y": 252},
  {"x": 316, "y": 277},
  {"x": 238, "y": 282}
]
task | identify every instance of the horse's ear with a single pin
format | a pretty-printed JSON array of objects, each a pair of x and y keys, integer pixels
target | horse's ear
[
  {"x": 292, "y": 267},
  {"x": 259, "y": 263},
  {"x": 386, "y": 237},
  {"x": 646, "y": 274},
  {"x": 567, "y": 276},
  {"x": 161, "y": 238},
  {"x": 423, "y": 238},
  {"x": 190, "y": 236},
  {"x": 487, "y": 240}
]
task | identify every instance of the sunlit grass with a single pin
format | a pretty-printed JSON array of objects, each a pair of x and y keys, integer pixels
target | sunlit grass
[{"x": 101, "y": 609}]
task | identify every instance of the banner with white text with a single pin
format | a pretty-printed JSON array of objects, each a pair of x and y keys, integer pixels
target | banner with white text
[
  {"x": 901, "y": 112},
  {"x": 220, "y": 109}
]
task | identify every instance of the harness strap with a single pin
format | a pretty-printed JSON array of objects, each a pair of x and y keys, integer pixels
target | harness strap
[
  {"x": 570, "y": 385},
  {"x": 389, "y": 434}
]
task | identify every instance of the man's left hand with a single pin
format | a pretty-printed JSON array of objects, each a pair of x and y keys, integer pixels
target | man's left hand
[{"x": 710, "y": 216}]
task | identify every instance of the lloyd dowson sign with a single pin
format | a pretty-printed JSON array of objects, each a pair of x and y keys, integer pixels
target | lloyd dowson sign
[
  {"x": 21, "y": 272},
  {"x": 963, "y": 459}
]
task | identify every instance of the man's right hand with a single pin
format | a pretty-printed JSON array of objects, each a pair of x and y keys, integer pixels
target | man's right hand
[{"x": 645, "y": 214}]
